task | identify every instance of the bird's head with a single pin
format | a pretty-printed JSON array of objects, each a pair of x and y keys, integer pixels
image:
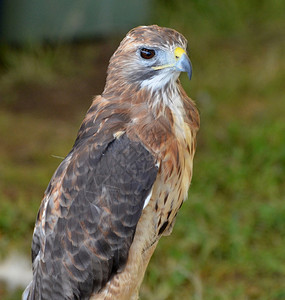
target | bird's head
[{"x": 149, "y": 57}]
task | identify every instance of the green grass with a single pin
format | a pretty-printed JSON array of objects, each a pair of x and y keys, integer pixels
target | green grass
[{"x": 228, "y": 242}]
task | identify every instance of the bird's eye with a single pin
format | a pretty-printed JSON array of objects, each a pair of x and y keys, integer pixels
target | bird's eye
[{"x": 147, "y": 53}]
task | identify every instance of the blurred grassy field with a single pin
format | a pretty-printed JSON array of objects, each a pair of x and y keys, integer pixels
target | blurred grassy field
[{"x": 229, "y": 239}]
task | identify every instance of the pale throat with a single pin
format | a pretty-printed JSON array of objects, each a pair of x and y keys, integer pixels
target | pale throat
[
  {"x": 161, "y": 81},
  {"x": 169, "y": 96}
]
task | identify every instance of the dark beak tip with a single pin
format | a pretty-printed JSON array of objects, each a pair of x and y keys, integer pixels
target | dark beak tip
[
  {"x": 189, "y": 74},
  {"x": 184, "y": 65}
]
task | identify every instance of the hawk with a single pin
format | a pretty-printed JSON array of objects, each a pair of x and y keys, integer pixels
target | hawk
[{"x": 120, "y": 187}]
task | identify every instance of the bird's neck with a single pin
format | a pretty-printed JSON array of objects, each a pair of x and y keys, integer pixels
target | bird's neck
[
  {"x": 167, "y": 97},
  {"x": 149, "y": 103}
]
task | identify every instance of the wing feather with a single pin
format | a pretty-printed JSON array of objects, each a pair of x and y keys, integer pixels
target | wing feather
[{"x": 88, "y": 217}]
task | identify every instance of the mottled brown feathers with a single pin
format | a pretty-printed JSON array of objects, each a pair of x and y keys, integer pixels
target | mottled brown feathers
[{"x": 121, "y": 186}]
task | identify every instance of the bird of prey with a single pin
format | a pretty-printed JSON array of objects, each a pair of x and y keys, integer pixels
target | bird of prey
[{"x": 120, "y": 187}]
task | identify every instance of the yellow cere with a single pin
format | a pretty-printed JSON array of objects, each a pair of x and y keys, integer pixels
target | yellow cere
[{"x": 178, "y": 52}]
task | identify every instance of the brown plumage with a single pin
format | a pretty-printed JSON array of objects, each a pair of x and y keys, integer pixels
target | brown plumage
[{"x": 121, "y": 186}]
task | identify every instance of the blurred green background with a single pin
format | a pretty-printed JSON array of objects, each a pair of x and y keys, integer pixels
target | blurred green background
[{"x": 229, "y": 239}]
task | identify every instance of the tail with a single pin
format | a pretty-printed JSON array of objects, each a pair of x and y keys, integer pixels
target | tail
[
  {"x": 33, "y": 290},
  {"x": 26, "y": 293}
]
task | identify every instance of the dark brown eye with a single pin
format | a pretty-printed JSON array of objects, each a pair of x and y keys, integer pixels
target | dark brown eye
[{"x": 147, "y": 53}]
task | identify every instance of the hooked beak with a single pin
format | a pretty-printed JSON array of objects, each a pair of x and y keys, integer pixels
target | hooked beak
[{"x": 183, "y": 63}]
